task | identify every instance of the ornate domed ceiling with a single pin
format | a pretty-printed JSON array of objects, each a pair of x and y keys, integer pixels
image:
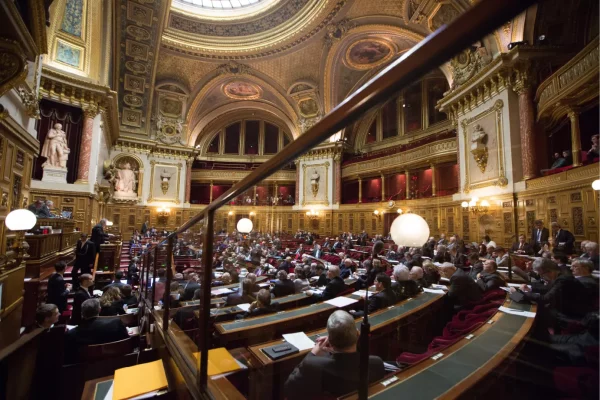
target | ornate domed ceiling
[{"x": 223, "y": 10}]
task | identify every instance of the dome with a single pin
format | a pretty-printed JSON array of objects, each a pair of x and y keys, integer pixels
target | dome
[{"x": 223, "y": 9}]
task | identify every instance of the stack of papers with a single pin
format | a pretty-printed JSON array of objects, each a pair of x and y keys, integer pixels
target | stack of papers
[
  {"x": 361, "y": 293},
  {"x": 443, "y": 287},
  {"x": 341, "y": 301},
  {"x": 299, "y": 340},
  {"x": 513, "y": 311},
  {"x": 244, "y": 306},
  {"x": 221, "y": 291},
  {"x": 438, "y": 291}
]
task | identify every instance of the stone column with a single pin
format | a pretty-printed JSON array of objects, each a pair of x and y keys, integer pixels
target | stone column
[
  {"x": 526, "y": 126},
  {"x": 359, "y": 190},
  {"x": 188, "y": 180},
  {"x": 337, "y": 171},
  {"x": 433, "y": 181},
  {"x": 297, "y": 197},
  {"x": 254, "y": 195},
  {"x": 85, "y": 150},
  {"x": 382, "y": 187},
  {"x": 575, "y": 137},
  {"x": 210, "y": 194},
  {"x": 275, "y": 192},
  {"x": 407, "y": 175}
]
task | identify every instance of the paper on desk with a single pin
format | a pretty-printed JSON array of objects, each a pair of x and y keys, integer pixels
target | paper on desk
[
  {"x": 133, "y": 331},
  {"x": 506, "y": 289},
  {"x": 341, "y": 301},
  {"x": 361, "y": 293},
  {"x": 221, "y": 291},
  {"x": 299, "y": 340},
  {"x": 438, "y": 291},
  {"x": 518, "y": 285},
  {"x": 513, "y": 311},
  {"x": 97, "y": 293},
  {"x": 316, "y": 291},
  {"x": 264, "y": 284},
  {"x": 109, "y": 394},
  {"x": 443, "y": 287},
  {"x": 244, "y": 306}
]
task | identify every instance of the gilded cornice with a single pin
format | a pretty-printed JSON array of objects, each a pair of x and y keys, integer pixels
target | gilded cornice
[
  {"x": 438, "y": 152},
  {"x": 235, "y": 176},
  {"x": 57, "y": 86},
  {"x": 288, "y": 26},
  {"x": 574, "y": 84},
  {"x": 13, "y": 130},
  {"x": 324, "y": 151},
  {"x": 151, "y": 148},
  {"x": 575, "y": 177},
  {"x": 18, "y": 30}
]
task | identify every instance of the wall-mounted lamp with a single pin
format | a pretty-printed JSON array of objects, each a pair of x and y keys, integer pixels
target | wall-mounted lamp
[
  {"x": 230, "y": 213},
  {"x": 399, "y": 211},
  {"x": 252, "y": 213},
  {"x": 596, "y": 184},
  {"x": 378, "y": 213},
  {"x": 163, "y": 215},
  {"x": 312, "y": 214},
  {"x": 475, "y": 206}
]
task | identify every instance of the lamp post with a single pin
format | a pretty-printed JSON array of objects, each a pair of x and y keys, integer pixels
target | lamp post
[{"x": 20, "y": 221}]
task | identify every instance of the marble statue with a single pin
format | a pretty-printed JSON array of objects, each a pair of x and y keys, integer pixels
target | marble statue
[
  {"x": 314, "y": 182},
  {"x": 55, "y": 149},
  {"x": 125, "y": 181},
  {"x": 479, "y": 147}
]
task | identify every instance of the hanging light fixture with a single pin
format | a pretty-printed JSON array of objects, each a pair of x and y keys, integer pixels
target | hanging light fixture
[
  {"x": 409, "y": 230},
  {"x": 475, "y": 206},
  {"x": 244, "y": 225}
]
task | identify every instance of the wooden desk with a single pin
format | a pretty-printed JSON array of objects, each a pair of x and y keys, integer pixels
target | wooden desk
[
  {"x": 267, "y": 376},
  {"x": 463, "y": 364}
]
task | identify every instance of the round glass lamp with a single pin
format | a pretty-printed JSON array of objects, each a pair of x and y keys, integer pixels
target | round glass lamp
[
  {"x": 20, "y": 220},
  {"x": 596, "y": 184},
  {"x": 409, "y": 230},
  {"x": 244, "y": 225}
]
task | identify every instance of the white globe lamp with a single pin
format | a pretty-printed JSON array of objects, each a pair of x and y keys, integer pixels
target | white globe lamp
[
  {"x": 409, "y": 230},
  {"x": 20, "y": 221},
  {"x": 596, "y": 184},
  {"x": 244, "y": 225}
]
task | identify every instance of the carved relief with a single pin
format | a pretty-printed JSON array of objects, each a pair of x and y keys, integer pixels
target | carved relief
[
  {"x": 337, "y": 31},
  {"x": 575, "y": 197},
  {"x": 233, "y": 68},
  {"x": 468, "y": 63},
  {"x": 13, "y": 67},
  {"x": 479, "y": 147},
  {"x": 507, "y": 223},
  {"x": 530, "y": 216},
  {"x": 578, "y": 228},
  {"x": 553, "y": 215}
]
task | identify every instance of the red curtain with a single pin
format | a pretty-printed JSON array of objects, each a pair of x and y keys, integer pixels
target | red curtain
[
  {"x": 447, "y": 182},
  {"x": 350, "y": 192},
  {"x": 395, "y": 187},
  {"x": 371, "y": 191}
]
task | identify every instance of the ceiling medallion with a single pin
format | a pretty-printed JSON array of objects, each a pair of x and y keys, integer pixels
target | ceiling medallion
[
  {"x": 135, "y": 67},
  {"x": 241, "y": 90},
  {"x": 132, "y": 100},
  {"x": 137, "y": 32},
  {"x": 369, "y": 53}
]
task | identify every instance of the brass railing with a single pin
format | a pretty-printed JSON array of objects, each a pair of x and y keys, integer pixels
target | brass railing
[{"x": 430, "y": 53}]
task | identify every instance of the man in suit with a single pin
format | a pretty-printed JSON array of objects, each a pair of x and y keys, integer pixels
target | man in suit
[
  {"x": 384, "y": 298},
  {"x": 522, "y": 247},
  {"x": 92, "y": 330},
  {"x": 442, "y": 240},
  {"x": 563, "y": 239},
  {"x": 98, "y": 235},
  {"x": 591, "y": 249},
  {"x": 286, "y": 265},
  {"x": 463, "y": 290},
  {"x": 85, "y": 257},
  {"x": 117, "y": 281},
  {"x": 144, "y": 229},
  {"x": 317, "y": 251},
  {"x": 243, "y": 296},
  {"x": 442, "y": 255},
  {"x": 582, "y": 271},
  {"x": 346, "y": 268},
  {"x": 489, "y": 278},
  {"x": 320, "y": 272},
  {"x": 283, "y": 285},
  {"x": 332, "y": 366},
  {"x": 40, "y": 209},
  {"x": 334, "y": 287},
  {"x": 337, "y": 245},
  {"x": 58, "y": 289},
  {"x": 81, "y": 294},
  {"x": 539, "y": 236}
]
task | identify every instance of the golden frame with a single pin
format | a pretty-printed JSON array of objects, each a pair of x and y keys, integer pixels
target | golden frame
[
  {"x": 500, "y": 180},
  {"x": 153, "y": 165},
  {"x": 362, "y": 67},
  {"x": 69, "y": 44},
  {"x": 304, "y": 196},
  {"x": 140, "y": 185}
]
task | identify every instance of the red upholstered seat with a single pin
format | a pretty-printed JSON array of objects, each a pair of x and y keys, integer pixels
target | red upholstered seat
[{"x": 577, "y": 382}]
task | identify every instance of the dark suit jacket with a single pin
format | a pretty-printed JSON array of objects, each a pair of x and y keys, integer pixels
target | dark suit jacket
[
  {"x": 115, "y": 308},
  {"x": 526, "y": 248},
  {"x": 463, "y": 289},
  {"x": 566, "y": 237},
  {"x": 236, "y": 298},
  {"x": 283, "y": 288},
  {"x": 286, "y": 266},
  {"x": 93, "y": 331},
  {"x": 490, "y": 281},
  {"x": 459, "y": 261},
  {"x": 345, "y": 272},
  {"x": 335, "y": 374},
  {"x": 383, "y": 299},
  {"x": 441, "y": 258},
  {"x": 565, "y": 294},
  {"x": 85, "y": 255},
  {"x": 57, "y": 293},
  {"x": 130, "y": 301},
  {"x": 333, "y": 289},
  {"x": 80, "y": 296},
  {"x": 591, "y": 285},
  {"x": 274, "y": 307},
  {"x": 476, "y": 269},
  {"x": 544, "y": 237},
  {"x": 405, "y": 289},
  {"x": 98, "y": 236},
  {"x": 188, "y": 290},
  {"x": 322, "y": 281}
]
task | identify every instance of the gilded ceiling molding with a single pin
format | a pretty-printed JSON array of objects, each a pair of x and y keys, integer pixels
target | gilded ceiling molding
[
  {"x": 235, "y": 176},
  {"x": 289, "y": 25},
  {"x": 151, "y": 148},
  {"x": 57, "y": 86},
  {"x": 338, "y": 50},
  {"x": 13, "y": 65}
]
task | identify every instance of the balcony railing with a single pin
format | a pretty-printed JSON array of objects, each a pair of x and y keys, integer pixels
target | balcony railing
[{"x": 433, "y": 51}]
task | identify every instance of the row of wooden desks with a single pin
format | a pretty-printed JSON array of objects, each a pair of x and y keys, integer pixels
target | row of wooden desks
[{"x": 461, "y": 365}]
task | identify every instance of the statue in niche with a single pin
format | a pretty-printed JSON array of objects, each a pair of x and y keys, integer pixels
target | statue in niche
[
  {"x": 479, "y": 147},
  {"x": 165, "y": 177},
  {"x": 314, "y": 182},
  {"x": 125, "y": 182},
  {"x": 56, "y": 149}
]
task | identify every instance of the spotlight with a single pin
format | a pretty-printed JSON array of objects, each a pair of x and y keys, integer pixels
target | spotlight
[{"x": 515, "y": 44}]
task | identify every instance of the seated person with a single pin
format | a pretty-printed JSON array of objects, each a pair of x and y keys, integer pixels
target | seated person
[
  {"x": 320, "y": 272},
  {"x": 334, "y": 287},
  {"x": 301, "y": 283},
  {"x": 384, "y": 297},
  {"x": 582, "y": 271},
  {"x": 431, "y": 273},
  {"x": 190, "y": 287},
  {"x": 489, "y": 278},
  {"x": 92, "y": 330},
  {"x": 262, "y": 305},
  {"x": 117, "y": 281},
  {"x": 129, "y": 299},
  {"x": 81, "y": 294},
  {"x": 502, "y": 258},
  {"x": 558, "y": 162},
  {"x": 561, "y": 260},
  {"x": 111, "y": 302},
  {"x": 457, "y": 257},
  {"x": 592, "y": 153},
  {"x": 243, "y": 296},
  {"x": 522, "y": 247},
  {"x": 346, "y": 268},
  {"x": 224, "y": 280},
  {"x": 405, "y": 286},
  {"x": 416, "y": 274},
  {"x": 46, "y": 316},
  {"x": 286, "y": 265},
  {"x": 591, "y": 249},
  {"x": 463, "y": 290},
  {"x": 185, "y": 317},
  {"x": 283, "y": 285},
  {"x": 567, "y": 157},
  {"x": 476, "y": 265},
  {"x": 57, "y": 288},
  {"x": 332, "y": 366}
]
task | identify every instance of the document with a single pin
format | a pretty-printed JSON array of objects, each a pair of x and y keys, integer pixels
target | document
[
  {"x": 438, "y": 291},
  {"x": 138, "y": 380},
  {"x": 300, "y": 340},
  {"x": 341, "y": 301},
  {"x": 513, "y": 311},
  {"x": 245, "y": 306},
  {"x": 221, "y": 291},
  {"x": 361, "y": 293},
  {"x": 443, "y": 287}
]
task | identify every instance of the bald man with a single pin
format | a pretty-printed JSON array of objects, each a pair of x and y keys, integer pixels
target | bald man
[{"x": 334, "y": 287}]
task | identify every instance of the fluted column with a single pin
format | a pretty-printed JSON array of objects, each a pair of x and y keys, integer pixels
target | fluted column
[
  {"x": 575, "y": 137},
  {"x": 527, "y": 126},
  {"x": 433, "y": 180},
  {"x": 210, "y": 195},
  {"x": 359, "y": 190},
  {"x": 297, "y": 196},
  {"x": 337, "y": 179},
  {"x": 407, "y": 175},
  {"x": 275, "y": 192},
  {"x": 382, "y": 187},
  {"x": 85, "y": 150},
  {"x": 254, "y": 195},
  {"x": 188, "y": 181}
]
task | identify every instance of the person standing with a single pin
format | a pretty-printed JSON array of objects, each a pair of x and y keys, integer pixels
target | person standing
[
  {"x": 58, "y": 289},
  {"x": 563, "y": 239},
  {"x": 98, "y": 235},
  {"x": 144, "y": 229},
  {"x": 539, "y": 235},
  {"x": 85, "y": 256}
]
